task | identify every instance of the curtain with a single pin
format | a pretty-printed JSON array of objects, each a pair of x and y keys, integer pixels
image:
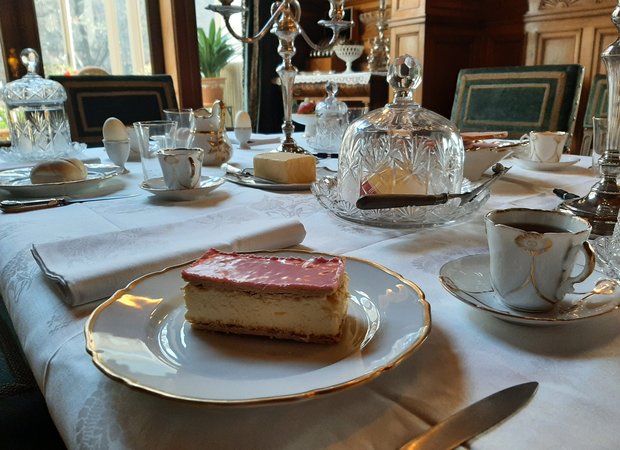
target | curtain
[{"x": 263, "y": 97}]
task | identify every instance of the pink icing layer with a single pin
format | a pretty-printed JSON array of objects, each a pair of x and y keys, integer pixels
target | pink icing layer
[{"x": 265, "y": 274}]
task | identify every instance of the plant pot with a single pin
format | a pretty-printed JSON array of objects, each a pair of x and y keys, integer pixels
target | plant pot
[{"x": 212, "y": 90}]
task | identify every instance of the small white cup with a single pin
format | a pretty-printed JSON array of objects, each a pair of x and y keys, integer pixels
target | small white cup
[
  {"x": 533, "y": 254},
  {"x": 118, "y": 152},
  {"x": 545, "y": 146},
  {"x": 181, "y": 167}
]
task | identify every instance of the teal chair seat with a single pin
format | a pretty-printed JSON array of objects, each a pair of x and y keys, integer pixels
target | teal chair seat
[
  {"x": 24, "y": 419},
  {"x": 518, "y": 99}
]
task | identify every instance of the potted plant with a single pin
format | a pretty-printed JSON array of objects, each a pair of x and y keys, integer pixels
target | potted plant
[{"x": 214, "y": 52}]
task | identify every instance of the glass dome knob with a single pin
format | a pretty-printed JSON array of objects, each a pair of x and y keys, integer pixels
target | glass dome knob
[
  {"x": 30, "y": 59},
  {"x": 404, "y": 75},
  {"x": 331, "y": 88}
]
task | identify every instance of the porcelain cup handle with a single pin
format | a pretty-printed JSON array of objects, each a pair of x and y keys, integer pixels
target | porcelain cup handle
[{"x": 588, "y": 268}]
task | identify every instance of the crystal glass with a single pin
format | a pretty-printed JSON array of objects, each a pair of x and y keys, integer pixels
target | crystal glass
[
  {"x": 153, "y": 136},
  {"x": 599, "y": 140},
  {"x": 402, "y": 148},
  {"x": 38, "y": 124},
  {"x": 332, "y": 118},
  {"x": 185, "y": 124}
]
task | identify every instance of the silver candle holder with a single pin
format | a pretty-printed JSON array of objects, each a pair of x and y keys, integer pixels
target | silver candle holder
[
  {"x": 284, "y": 23},
  {"x": 602, "y": 204},
  {"x": 379, "y": 55}
]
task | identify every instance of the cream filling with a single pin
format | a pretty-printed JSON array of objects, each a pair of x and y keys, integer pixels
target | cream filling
[{"x": 318, "y": 315}]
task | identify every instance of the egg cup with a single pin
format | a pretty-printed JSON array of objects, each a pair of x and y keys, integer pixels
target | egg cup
[
  {"x": 243, "y": 135},
  {"x": 118, "y": 152}
]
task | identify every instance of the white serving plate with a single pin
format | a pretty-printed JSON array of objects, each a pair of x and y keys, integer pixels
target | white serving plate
[
  {"x": 140, "y": 337},
  {"x": 17, "y": 181}
]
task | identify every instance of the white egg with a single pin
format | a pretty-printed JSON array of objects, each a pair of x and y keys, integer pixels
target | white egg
[
  {"x": 242, "y": 120},
  {"x": 114, "y": 130}
]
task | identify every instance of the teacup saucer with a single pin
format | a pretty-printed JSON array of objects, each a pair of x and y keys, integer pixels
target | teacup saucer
[
  {"x": 469, "y": 280},
  {"x": 565, "y": 161},
  {"x": 157, "y": 187}
]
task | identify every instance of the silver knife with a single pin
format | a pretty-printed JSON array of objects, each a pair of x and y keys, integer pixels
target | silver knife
[
  {"x": 382, "y": 201},
  {"x": 13, "y": 206},
  {"x": 474, "y": 419}
]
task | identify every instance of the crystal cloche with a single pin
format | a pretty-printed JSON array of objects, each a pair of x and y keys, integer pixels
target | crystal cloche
[
  {"x": 401, "y": 148},
  {"x": 38, "y": 124}
]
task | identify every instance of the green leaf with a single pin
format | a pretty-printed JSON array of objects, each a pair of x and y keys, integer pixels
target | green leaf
[{"x": 214, "y": 50}]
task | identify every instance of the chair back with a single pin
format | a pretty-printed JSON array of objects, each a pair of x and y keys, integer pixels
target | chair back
[
  {"x": 518, "y": 99},
  {"x": 596, "y": 107},
  {"x": 91, "y": 99}
]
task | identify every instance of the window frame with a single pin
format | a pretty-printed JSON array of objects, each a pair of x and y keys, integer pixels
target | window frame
[{"x": 176, "y": 55}]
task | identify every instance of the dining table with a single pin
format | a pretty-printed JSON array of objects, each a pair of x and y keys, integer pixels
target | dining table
[{"x": 462, "y": 353}]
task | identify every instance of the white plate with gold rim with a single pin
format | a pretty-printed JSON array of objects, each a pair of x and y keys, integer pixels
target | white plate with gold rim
[
  {"x": 140, "y": 337},
  {"x": 17, "y": 181},
  {"x": 469, "y": 280}
]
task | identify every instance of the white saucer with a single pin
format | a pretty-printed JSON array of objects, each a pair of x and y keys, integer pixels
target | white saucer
[
  {"x": 469, "y": 280},
  {"x": 157, "y": 187},
  {"x": 565, "y": 162}
]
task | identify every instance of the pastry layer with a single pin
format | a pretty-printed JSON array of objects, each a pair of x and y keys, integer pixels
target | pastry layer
[
  {"x": 287, "y": 316},
  {"x": 250, "y": 272},
  {"x": 290, "y": 298}
]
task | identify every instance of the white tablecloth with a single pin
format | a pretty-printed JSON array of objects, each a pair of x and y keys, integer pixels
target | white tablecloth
[{"x": 467, "y": 355}]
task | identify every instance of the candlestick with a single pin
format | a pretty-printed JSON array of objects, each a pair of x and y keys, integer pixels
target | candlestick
[
  {"x": 602, "y": 204},
  {"x": 284, "y": 23}
]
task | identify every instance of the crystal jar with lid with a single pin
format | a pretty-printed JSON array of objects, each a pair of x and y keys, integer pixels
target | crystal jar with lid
[
  {"x": 38, "y": 124},
  {"x": 402, "y": 148},
  {"x": 332, "y": 118}
]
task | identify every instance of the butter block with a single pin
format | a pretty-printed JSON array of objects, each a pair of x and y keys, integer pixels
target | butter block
[{"x": 286, "y": 168}]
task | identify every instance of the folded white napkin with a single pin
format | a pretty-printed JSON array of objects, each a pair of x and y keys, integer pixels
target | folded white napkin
[{"x": 94, "y": 267}]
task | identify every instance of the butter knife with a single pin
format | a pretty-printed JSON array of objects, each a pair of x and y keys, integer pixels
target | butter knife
[
  {"x": 382, "y": 201},
  {"x": 473, "y": 420},
  {"x": 13, "y": 206},
  {"x": 244, "y": 175}
]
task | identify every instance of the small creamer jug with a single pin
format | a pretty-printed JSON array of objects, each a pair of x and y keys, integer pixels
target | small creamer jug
[{"x": 209, "y": 134}]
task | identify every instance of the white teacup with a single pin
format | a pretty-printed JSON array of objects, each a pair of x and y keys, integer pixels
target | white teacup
[
  {"x": 181, "y": 167},
  {"x": 533, "y": 254},
  {"x": 545, "y": 146}
]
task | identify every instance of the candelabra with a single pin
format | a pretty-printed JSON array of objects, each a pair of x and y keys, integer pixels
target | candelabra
[
  {"x": 379, "y": 55},
  {"x": 602, "y": 204},
  {"x": 284, "y": 23}
]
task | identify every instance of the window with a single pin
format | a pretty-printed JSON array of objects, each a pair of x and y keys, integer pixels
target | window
[{"x": 107, "y": 34}]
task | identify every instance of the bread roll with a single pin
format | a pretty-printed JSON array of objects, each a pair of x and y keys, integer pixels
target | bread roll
[{"x": 58, "y": 171}]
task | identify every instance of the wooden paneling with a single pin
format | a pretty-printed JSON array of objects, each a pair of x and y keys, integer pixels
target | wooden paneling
[
  {"x": 448, "y": 35},
  {"x": 561, "y": 32}
]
